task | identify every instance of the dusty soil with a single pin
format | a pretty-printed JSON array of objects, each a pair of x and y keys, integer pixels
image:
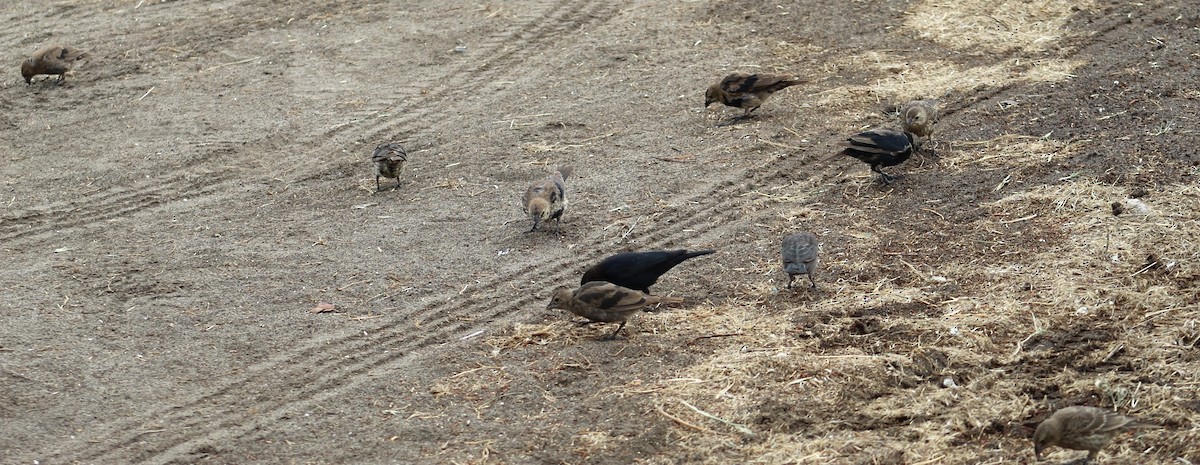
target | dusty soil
[{"x": 169, "y": 216}]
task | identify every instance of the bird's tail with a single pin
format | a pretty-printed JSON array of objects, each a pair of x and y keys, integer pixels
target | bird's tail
[
  {"x": 795, "y": 81},
  {"x": 697, "y": 253},
  {"x": 657, "y": 299}
]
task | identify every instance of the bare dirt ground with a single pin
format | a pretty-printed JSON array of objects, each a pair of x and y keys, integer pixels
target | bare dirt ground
[{"x": 170, "y": 214}]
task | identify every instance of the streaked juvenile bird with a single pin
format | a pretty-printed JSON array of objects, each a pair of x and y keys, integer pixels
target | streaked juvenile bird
[
  {"x": 1082, "y": 428},
  {"x": 546, "y": 200},
  {"x": 600, "y": 301},
  {"x": 388, "y": 157},
  {"x": 881, "y": 147},
  {"x": 747, "y": 91},
  {"x": 638, "y": 270},
  {"x": 918, "y": 117},
  {"x": 800, "y": 256},
  {"x": 51, "y": 60}
]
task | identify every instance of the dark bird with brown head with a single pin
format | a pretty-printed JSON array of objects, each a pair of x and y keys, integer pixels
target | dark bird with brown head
[
  {"x": 600, "y": 301},
  {"x": 747, "y": 91},
  {"x": 51, "y": 60},
  {"x": 881, "y": 147},
  {"x": 1082, "y": 428},
  {"x": 388, "y": 158},
  {"x": 799, "y": 254},
  {"x": 638, "y": 270},
  {"x": 547, "y": 199}
]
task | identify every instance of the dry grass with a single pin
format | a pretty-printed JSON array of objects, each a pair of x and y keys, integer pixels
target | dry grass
[
  {"x": 994, "y": 25},
  {"x": 968, "y": 369}
]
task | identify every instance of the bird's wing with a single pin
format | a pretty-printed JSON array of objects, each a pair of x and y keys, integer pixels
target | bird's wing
[
  {"x": 878, "y": 141},
  {"x": 611, "y": 297}
]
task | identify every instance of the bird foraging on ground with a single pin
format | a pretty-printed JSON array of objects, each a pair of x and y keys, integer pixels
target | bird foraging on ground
[
  {"x": 881, "y": 147},
  {"x": 388, "y": 157},
  {"x": 638, "y": 270},
  {"x": 600, "y": 301},
  {"x": 51, "y": 60},
  {"x": 800, "y": 256},
  {"x": 547, "y": 199},
  {"x": 747, "y": 91},
  {"x": 918, "y": 117},
  {"x": 1082, "y": 428}
]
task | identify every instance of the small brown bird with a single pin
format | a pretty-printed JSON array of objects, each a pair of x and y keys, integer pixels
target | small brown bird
[
  {"x": 51, "y": 60},
  {"x": 881, "y": 147},
  {"x": 600, "y": 301},
  {"x": 800, "y": 256},
  {"x": 547, "y": 199},
  {"x": 1082, "y": 428},
  {"x": 388, "y": 157},
  {"x": 747, "y": 91},
  {"x": 919, "y": 117}
]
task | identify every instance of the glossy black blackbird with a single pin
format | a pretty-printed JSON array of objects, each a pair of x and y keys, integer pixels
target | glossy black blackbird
[
  {"x": 881, "y": 147},
  {"x": 638, "y": 270}
]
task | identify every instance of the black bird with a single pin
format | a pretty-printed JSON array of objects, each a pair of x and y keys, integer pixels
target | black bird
[
  {"x": 881, "y": 147},
  {"x": 638, "y": 270}
]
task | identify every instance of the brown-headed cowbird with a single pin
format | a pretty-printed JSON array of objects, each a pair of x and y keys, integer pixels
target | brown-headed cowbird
[
  {"x": 918, "y": 117},
  {"x": 388, "y": 157},
  {"x": 1082, "y": 428},
  {"x": 547, "y": 199},
  {"x": 600, "y": 301},
  {"x": 747, "y": 91},
  {"x": 638, "y": 270},
  {"x": 881, "y": 147},
  {"x": 800, "y": 256},
  {"x": 51, "y": 60}
]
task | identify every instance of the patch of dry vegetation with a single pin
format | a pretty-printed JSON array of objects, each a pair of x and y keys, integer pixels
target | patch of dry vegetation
[{"x": 994, "y": 26}]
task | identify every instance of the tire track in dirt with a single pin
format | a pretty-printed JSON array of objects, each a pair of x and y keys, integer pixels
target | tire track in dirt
[
  {"x": 187, "y": 418},
  {"x": 509, "y": 55},
  {"x": 518, "y": 40},
  {"x": 331, "y": 366}
]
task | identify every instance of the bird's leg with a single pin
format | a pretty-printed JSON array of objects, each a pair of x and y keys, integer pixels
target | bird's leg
[
  {"x": 614, "y": 333},
  {"x": 377, "y": 186},
  {"x": 811, "y": 280},
  {"x": 790, "y": 278},
  {"x": 882, "y": 176},
  {"x": 929, "y": 149}
]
